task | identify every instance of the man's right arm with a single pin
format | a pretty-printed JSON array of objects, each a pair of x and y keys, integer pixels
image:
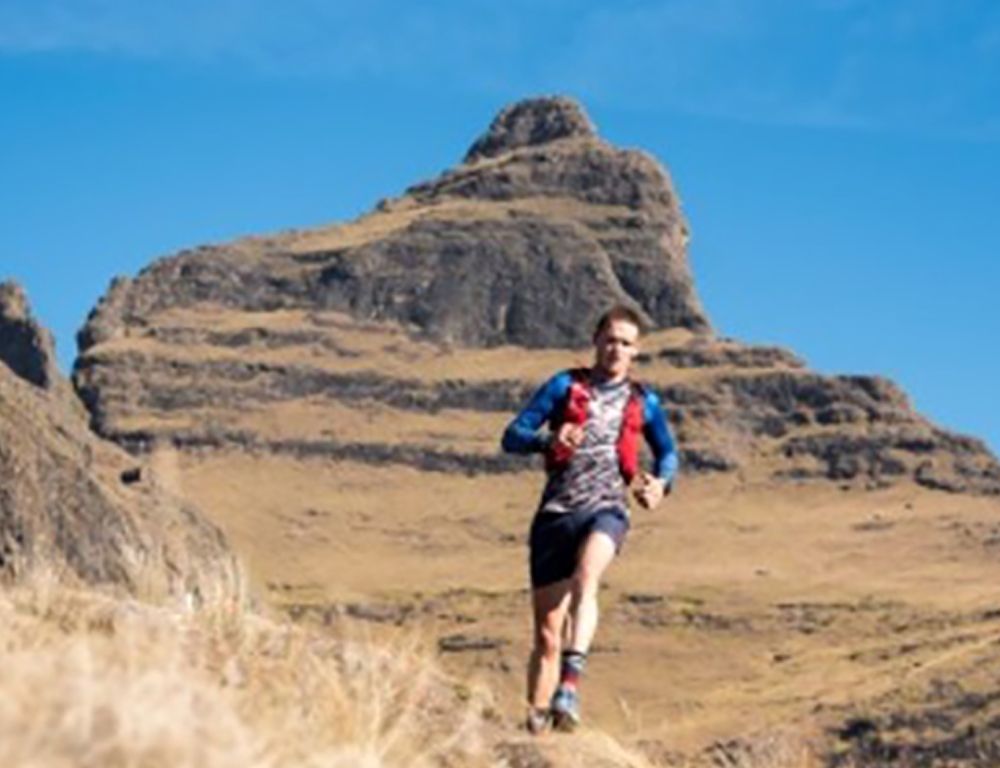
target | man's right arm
[{"x": 522, "y": 434}]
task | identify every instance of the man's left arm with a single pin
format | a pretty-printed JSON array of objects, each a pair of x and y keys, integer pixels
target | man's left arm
[{"x": 661, "y": 442}]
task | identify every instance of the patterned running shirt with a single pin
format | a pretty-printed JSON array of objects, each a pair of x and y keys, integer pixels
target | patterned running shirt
[{"x": 592, "y": 479}]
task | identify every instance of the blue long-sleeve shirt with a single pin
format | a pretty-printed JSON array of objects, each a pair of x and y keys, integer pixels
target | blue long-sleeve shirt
[{"x": 524, "y": 435}]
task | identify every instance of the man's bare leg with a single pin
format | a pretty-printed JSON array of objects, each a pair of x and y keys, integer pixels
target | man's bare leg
[
  {"x": 550, "y": 604},
  {"x": 595, "y": 556}
]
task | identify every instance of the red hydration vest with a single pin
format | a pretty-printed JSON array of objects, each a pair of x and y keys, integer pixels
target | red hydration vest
[{"x": 573, "y": 410}]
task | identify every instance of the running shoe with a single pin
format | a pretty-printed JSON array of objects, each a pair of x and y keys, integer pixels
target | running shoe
[
  {"x": 565, "y": 709},
  {"x": 538, "y": 721}
]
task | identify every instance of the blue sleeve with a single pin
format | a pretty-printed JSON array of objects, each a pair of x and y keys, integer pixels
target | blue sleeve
[
  {"x": 522, "y": 435},
  {"x": 660, "y": 441}
]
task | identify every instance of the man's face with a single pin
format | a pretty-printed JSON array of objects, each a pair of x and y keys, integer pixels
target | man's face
[{"x": 615, "y": 348}]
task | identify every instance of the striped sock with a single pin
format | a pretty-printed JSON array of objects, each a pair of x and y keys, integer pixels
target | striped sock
[{"x": 573, "y": 663}]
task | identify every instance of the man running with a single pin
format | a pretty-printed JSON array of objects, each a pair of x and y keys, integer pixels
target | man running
[{"x": 595, "y": 417}]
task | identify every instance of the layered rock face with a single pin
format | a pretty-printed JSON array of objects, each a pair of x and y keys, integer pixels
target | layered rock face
[
  {"x": 74, "y": 505},
  {"x": 544, "y": 224},
  {"x": 444, "y": 301},
  {"x": 25, "y": 346}
]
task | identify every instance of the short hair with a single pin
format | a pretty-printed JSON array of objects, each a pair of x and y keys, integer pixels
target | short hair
[{"x": 618, "y": 312}]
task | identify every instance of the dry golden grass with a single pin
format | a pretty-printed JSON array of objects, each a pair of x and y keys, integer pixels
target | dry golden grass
[
  {"x": 403, "y": 212},
  {"x": 381, "y": 347},
  {"x": 705, "y": 653},
  {"x": 744, "y": 610},
  {"x": 93, "y": 680}
]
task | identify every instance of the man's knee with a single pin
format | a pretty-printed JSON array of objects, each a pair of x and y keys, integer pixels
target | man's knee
[
  {"x": 596, "y": 558},
  {"x": 586, "y": 582},
  {"x": 547, "y": 642},
  {"x": 587, "y": 577}
]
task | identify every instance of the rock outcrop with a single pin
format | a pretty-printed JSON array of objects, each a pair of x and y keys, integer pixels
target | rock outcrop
[
  {"x": 26, "y": 347},
  {"x": 79, "y": 507},
  {"x": 530, "y": 123},
  {"x": 544, "y": 224},
  {"x": 541, "y": 227}
]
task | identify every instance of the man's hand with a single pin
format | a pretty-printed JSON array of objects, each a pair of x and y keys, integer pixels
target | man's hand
[
  {"x": 650, "y": 491},
  {"x": 569, "y": 436}
]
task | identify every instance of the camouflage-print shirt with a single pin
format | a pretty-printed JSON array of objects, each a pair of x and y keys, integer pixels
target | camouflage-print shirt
[{"x": 592, "y": 479}]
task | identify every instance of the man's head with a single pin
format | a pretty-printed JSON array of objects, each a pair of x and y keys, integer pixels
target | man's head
[{"x": 616, "y": 342}]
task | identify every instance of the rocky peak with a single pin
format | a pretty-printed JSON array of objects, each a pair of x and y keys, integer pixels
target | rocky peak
[
  {"x": 527, "y": 249},
  {"x": 25, "y": 346},
  {"x": 531, "y": 122},
  {"x": 13, "y": 302}
]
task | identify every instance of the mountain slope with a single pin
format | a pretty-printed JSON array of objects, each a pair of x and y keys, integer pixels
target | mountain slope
[
  {"x": 334, "y": 399},
  {"x": 540, "y": 228},
  {"x": 79, "y": 507}
]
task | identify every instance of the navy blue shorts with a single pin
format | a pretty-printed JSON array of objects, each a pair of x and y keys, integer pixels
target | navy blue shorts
[{"x": 556, "y": 538}]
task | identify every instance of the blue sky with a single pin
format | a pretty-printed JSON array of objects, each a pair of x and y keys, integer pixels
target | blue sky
[{"x": 838, "y": 160}]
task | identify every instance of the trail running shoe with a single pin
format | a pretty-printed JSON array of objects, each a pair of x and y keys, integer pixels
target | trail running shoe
[
  {"x": 565, "y": 709},
  {"x": 538, "y": 721}
]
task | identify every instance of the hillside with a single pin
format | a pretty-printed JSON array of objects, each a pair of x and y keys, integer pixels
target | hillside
[
  {"x": 78, "y": 507},
  {"x": 423, "y": 304},
  {"x": 333, "y": 398},
  {"x": 771, "y": 606}
]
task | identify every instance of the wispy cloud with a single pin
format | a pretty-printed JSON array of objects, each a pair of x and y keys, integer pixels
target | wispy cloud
[
  {"x": 305, "y": 37},
  {"x": 929, "y": 65}
]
